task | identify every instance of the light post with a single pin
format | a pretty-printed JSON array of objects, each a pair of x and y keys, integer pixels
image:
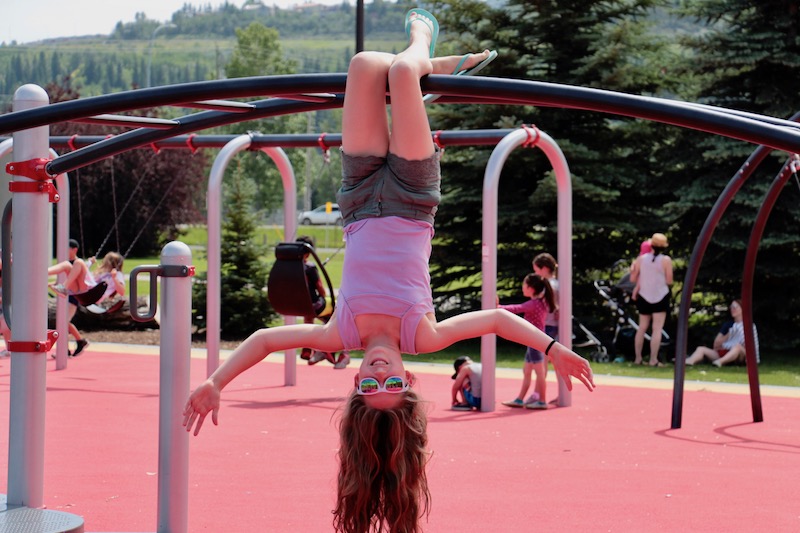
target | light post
[{"x": 150, "y": 55}]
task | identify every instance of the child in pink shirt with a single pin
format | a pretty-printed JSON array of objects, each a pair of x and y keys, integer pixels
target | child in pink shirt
[{"x": 542, "y": 301}]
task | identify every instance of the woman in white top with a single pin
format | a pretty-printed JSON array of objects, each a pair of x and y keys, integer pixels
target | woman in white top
[{"x": 653, "y": 276}]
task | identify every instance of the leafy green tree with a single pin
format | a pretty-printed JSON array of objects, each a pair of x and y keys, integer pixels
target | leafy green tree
[
  {"x": 258, "y": 53},
  {"x": 245, "y": 307}
]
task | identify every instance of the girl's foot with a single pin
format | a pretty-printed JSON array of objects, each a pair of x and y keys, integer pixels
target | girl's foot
[
  {"x": 420, "y": 29},
  {"x": 448, "y": 64}
]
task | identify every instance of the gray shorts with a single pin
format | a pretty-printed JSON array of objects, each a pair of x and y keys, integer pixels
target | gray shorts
[{"x": 389, "y": 186}]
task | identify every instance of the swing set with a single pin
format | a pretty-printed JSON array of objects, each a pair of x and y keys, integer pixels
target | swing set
[{"x": 89, "y": 299}]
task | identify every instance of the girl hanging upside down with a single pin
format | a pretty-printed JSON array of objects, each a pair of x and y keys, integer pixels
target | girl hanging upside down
[{"x": 389, "y": 196}]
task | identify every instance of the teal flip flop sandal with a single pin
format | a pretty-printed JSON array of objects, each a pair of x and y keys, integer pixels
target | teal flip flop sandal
[
  {"x": 433, "y": 25},
  {"x": 430, "y": 98},
  {"x": 477, "y": 68}
]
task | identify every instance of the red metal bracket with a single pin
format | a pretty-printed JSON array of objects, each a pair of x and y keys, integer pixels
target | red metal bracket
[
  {"x": 533, "y": 136},
  {"x": 437, "y": 139},
  {"x": 326, "y": 153},
  {"x": 36, "y": 186},
  {"x": 34, "y": 346},
  {"x": 32, "y": 168},
  {"x": 190, "y": 143}
]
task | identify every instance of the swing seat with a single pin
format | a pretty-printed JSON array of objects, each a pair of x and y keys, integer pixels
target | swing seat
[
  {"x": 91, "y": 296},
  {"x": 287, "y": 286},
  {"x": 102, "y": 310}
]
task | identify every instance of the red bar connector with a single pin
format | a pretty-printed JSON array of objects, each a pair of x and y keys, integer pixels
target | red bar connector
[
  {"x": 34, "y": 346},
  {"x": 35, "y": 169}
]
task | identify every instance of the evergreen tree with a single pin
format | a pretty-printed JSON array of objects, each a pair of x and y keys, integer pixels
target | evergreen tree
[
  {"x": 745, "y": 61},
  {"x": 576, "y": 42}
]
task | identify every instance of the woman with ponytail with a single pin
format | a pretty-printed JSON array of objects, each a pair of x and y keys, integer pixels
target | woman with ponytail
[{"x": 653, "y": 276}]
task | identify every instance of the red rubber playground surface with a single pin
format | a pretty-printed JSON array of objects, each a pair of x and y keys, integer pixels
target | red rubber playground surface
[{"x": 608, "y": 463}]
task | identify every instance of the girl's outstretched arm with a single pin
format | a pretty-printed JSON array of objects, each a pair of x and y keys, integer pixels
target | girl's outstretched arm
[
  {"x": 432, "y": 337},
  {"x": 256, "y": 347}
]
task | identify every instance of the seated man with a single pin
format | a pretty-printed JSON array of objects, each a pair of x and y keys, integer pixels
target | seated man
[
  {"x": 729, "y": 344},
  {"x": 467, "y": 384}
]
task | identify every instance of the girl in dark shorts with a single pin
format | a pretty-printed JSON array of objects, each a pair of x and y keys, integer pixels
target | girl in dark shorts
[{"x": 389, "y": 195}]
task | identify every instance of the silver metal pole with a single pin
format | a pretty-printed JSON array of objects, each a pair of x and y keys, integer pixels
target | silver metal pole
[
  {"x": 29, "y": 320},
  {"x": 175, "y": 357},
  {"x": 214, "y": 253},
  {"x": 491, "y": 184},
  {"x": 289, "y": 234}
]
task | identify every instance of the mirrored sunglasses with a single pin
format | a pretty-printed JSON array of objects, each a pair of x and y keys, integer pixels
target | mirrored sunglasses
[{"x": 392, "y": 385}]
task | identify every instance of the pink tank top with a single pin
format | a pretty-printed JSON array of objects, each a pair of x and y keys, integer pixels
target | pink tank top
[{"x": 385, "y": 272}]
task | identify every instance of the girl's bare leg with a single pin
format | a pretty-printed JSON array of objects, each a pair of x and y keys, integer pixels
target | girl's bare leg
[
  {"x": 655, "y": 336},
  {"x": 541, "y": 380},
  {"x": 733, "y": 355},
  {"x": 60, "y": 268},
  {"x": 527, "y": 371},
  {"x": 76, "y": 279},
  {"x": 638, "y": 339},
  {"x": 701, "y": 353},
  {"x": 410, "y": 132},
  {"x": 365, "y": 126},
  {"x": 76, "y": 274}
]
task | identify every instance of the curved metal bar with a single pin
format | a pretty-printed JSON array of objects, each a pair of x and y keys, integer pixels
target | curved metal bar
[
  {"x": 189, "y": 124},
  {"x": 712, "y": 120},
  {"x": 184, "y": 93},
  {"x": 282, "y": 140},
  {"x": 748, "y": 275},
  {"x": 700, "y": 246},
  {"x": 491, "y": 182}
]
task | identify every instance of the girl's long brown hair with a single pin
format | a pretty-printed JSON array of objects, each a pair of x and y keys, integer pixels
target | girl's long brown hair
[{"x": 382, "y": 482}]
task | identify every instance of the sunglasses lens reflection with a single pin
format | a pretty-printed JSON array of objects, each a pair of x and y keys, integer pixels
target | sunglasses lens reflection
[
  {"x": 369, "y": 386},
  {"x": 394, "y": 384}
]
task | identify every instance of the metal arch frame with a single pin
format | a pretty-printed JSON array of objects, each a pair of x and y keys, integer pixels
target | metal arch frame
[{"x": 704, "y": 237}]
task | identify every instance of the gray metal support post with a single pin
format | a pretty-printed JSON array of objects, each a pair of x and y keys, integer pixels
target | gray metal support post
[
  {"x": 29, "y": 320},
  {"x": 175, "y": 357}
]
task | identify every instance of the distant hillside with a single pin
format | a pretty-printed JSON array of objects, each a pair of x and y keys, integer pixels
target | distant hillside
[
  {"x": 197, "y": 42},
  {"x": 195, "y": 46}
]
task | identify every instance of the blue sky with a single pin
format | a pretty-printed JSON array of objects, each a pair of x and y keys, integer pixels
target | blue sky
[{"x": 33, "y": 20}]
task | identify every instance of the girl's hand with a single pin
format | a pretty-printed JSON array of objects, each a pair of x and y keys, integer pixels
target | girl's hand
[
  {"x": 205, "y": 398},
  {"x": 567, "y": 363}
]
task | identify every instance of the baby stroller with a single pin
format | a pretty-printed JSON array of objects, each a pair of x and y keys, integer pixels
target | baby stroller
[
  {"x": 582, "y": 337},
  {"x": 618, "y": 298}
]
